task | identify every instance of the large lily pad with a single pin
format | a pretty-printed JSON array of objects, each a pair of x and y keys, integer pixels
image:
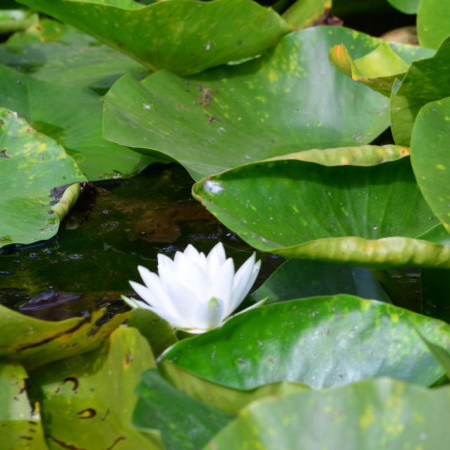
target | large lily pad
[
  {"x": 358, "y": 215},
  {"x": 73, "y": 117},
  {"x": 35, "y": 342},
  {"x": 35, "y": 173},
  {"x": 371, "y": 415},
  {"x": 181, "y": 36},
  {"x": 88, "y": 400},
  {"x": 431, "y": 157},
  {"x": 405, "y": 6},
  {"x": 20, "y": 423},
  {"x": 433, "y": 22},
  {"x": 290, "y": 100},
  {"x": 320, "y": 342},
  {"x": 426, "y": 81},
  {"x": 183, "y": 421}
]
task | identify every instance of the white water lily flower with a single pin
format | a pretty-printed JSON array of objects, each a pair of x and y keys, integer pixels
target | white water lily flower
[{"x": 195, "y": 292}]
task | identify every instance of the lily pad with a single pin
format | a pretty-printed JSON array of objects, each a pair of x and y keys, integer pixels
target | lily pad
[
  {"x": 430, "y": 156},
  {"x": 433, "y": 22},
  {"x": 222, "y": 397},
  {"x": 405, "y": 6},
  {"x": 370, "y": 415},
  {"x": 88, "y": 400},
  {"x": 35, "y": 173},
  {"x": 182, "y": 36},
  {"x": 61, "y": 55},
  {"x": 368, "y": 216},
  {"x": 34, "y": 342},
  {"x": 380, "y": 68},
  {"x": 73, "y": 117},
  {"x": 320, "y": 341},
  {"x": 183, "y": 421},
  {"x": 290, "y": 100},
  {"x": 303, "y": 13},
  {"x": 299, "y": 278},
  {"x": 20, "y": 423},
  {"x": 426, "y": 81}
]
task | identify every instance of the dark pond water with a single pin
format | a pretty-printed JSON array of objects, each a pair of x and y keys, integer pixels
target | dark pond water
[{"x": 114, "y": 227}]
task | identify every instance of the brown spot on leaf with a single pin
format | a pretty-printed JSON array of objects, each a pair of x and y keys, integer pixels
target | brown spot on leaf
[
  {"x": 71, "y": 380},
  {"x": 3, "y": 153}
]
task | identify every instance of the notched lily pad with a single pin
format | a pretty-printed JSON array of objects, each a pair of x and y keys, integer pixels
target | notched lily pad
[
  {"x": 370, "y": 216},
  {"x": 263, "y": 108}
]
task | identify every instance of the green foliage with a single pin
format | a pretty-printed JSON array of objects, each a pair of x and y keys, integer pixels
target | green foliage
[
  {"x": 35, "y": 173},
  {"x": 285, "y": 134}
]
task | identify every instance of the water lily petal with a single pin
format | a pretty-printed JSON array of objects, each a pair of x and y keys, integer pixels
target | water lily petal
[
  {"x": 211, "y": 315},
  {"x": 222, "y": 283},
  {"x": 186, "y": 302},
  {"x": 154, "y": 292},
  {"x": 243, "y": 281}
]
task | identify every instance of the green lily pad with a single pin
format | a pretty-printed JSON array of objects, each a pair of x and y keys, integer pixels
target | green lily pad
[
  {"x": 405, "y": 6},
  {"x": 88, "y": 400},
  {"x": 381, "y": 67},
  {"x": 181, "y": 36},
  {"x": 365, "y": 216},
  {"x": 371, "y": 415},
  {"x": 159, "y": 334},
  {"x": 290, "y": 100},
  {"x": 303, "y": 13},
  {"x": 61, "y": 55},
  {"x": 34, "y": 342},
  {"x": 35, "y": 173},
  {"x": 433, "y": 22},
  {"x": 73, "y": 117},
  {"x": 430, "y": 156},
  {"x": 183, "y": 421},
  {"x": 299, "y": 278},
  {"x": 222, "y": 397},
  {"x": 320, "y": 341},
  {"x": 20, "y": 423},
  {"x": 426, "y": 81}
]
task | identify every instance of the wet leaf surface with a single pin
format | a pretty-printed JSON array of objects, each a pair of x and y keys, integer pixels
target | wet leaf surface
[{"x": 320, "y": 341}]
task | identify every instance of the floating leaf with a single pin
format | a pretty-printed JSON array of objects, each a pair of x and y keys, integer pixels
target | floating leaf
[
  {"x": 426, "y": 81},
  {"x": 181, "y": 36},
  {"x": 433, "y": 22},
  {"x": 430, "y": 156},
  {"x": 303, "y": 13},
  {"x": 320, "y": 341},
  {"x": 220, "y": 396},
  {"x": 35, "y": 342},
  {"x": 357, "y": 215},
  {"x": 73, "y": 117},
  {"x": 61, "y": 55},
  {"x": 183, "y": 421},
  {"x": 88, "y": 400},
  {"x": 298, "y": 278},
  {"x": 379, "y": 68},
  {"x": 35, "y": 173},
  {"x": 290, "y": 100},
  {"x": 405, "y": 6},
  {"x": 374, "y": 414},
  {"x": 20, "y": 422}
]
